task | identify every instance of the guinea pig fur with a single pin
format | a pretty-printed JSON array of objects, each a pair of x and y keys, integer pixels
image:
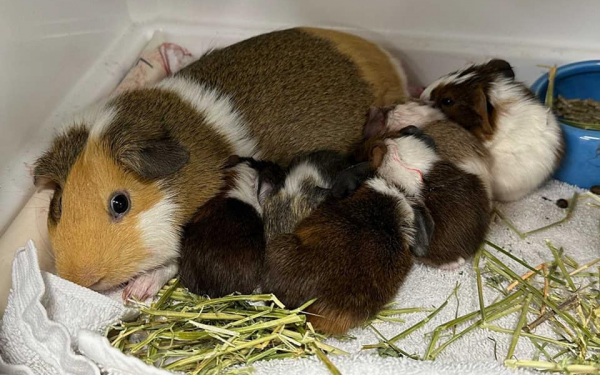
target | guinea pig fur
[
  {"x": 307, "y": 183},
  {"x": 134, "y": 170},
  {"x": 522, "y": 135},
  {"x": 351, "y": 254},
  {"x": 456, "y": 201},
  {"x": 223, "y": 246},
  {"x": 453, "y": 143}
]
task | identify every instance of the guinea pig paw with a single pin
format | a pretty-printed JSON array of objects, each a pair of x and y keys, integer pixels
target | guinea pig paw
[
  {"x": 454, "y": 265},
  {"x": 142, "y": 287}
]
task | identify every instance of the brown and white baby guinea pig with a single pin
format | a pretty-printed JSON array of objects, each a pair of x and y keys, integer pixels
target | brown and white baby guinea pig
[
  {"x": 453, "y": 143},
  {"x": 351, "y": 254},
  {"x": 456, "y": 201},
  {"x": 308, "y": 182},
  {"x": 223, "y": 246},
  {"x": 521, "y": 134}
]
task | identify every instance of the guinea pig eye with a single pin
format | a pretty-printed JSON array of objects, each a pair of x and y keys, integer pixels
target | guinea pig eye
[
  {"x": 447, "y": 102},
  {"x": 119, "y": 204}
]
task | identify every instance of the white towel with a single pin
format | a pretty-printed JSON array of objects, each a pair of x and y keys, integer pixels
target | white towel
[{"x": 48, "y": 317}]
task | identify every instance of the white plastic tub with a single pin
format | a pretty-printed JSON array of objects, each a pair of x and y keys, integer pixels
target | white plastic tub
[{"x": 59, "y": 56}]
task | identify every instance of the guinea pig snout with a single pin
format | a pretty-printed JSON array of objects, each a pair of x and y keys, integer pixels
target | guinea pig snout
[{"x": 85, "y": 276}]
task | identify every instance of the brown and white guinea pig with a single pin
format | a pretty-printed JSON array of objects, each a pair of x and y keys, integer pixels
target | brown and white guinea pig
[
  {"x": 522, "y": 135},
  {"x": 453, "y": 143},
  {"x": 351, "y": 254},
  {"x": 132, "y": 172},
  {"x": 307, "y": 183},
  {"x": 223, "y": 246},
  {"x": 457, "y": 201}
]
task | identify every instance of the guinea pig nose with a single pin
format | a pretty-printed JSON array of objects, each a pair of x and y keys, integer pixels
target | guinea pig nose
[
  {"x": 87, "y": 278},
  {"x": 97, "y": 285}
]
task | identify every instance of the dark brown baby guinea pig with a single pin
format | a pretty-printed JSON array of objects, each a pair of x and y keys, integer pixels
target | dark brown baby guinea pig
[
  {"x": 457, "y": 201},
  {"x": 351, "y": 254},
  {"x": 223, "y": 247}
]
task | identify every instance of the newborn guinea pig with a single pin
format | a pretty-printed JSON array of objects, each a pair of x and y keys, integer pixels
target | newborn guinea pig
[
  {"x": 522, "y": 135},
  {"x": 307, "y": 183},
  {"x": 223, "y": 246},
  {"x": 456, "y": 200},
  {"x": 453, "y": 143},
  {"x": 351, "y": 254}
]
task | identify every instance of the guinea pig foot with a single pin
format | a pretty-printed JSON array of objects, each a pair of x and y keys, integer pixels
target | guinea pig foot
[
  {"x": 453, "y": 265},
  {"x": 147, "y": 285}
]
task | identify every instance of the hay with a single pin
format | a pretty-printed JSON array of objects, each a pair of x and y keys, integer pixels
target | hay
[
  {"x": 559, "y": 292},
  {"x": 195, "y": 335}
]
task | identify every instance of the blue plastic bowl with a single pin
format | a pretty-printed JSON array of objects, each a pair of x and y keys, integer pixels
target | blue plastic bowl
[{"x": 580, "y": 80}]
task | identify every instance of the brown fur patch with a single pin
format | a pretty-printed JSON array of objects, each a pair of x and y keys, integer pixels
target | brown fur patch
[
  {"x": 151, "y": 114},
  {"x": 54, "y": 165},
  {"x": 456, "y": 144},
  {"x": 374, "y": 65},
  {"x": 297, "y": 91},
  {"x": 351, "y": 254},
  {"x": 332, "y": 321},
  {"x": 89, "y": 246}
]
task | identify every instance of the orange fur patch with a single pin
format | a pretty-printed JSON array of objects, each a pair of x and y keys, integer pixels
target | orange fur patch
[
  {"x": 332, "y": 321},
  {"x": 373, "y": 63},
  {"x": 92, "y": 249}
]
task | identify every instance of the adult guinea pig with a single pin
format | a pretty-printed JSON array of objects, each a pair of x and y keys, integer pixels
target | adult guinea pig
[
  {"x": 351, "y": 254},
  {"x": 223, "y": 246},
  {"x": 133, "y": 171},
  {"x": 523, "y": 136}
]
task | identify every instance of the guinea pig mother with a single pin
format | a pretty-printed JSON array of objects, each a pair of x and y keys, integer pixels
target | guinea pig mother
[{"x": 129, "y": 174}]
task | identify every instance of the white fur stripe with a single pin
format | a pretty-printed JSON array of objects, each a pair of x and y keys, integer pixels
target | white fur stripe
[
  {"x": 444, "y": 80},
  {"x": 218, "y": 110},
  {"x": 302, "y": 173},
  {"x": 246, "y": 186},
  {"x": 404, "y": 159},
  {"x": 97, "y": 118},
  {"x": 160, "y": 232}
]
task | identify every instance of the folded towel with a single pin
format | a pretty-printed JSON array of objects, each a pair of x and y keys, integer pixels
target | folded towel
[{"x": 29, "y": 336}]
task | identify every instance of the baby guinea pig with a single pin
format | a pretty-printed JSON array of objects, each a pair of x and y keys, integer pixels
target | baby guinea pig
[
  {"x": 456, "y": 200},
  {"x": 308, "y": 181},
  {"x": 522, "y": 135},
  {"x": 223, "y": 246},
  {"x": 453, "y": 143},
  {"x": 351, "y": 254}
]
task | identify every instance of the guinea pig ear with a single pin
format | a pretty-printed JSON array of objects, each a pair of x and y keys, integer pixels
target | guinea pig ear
[
  {"x": 154, "y": 158},
  {"x": 375, "y": 124},
  {"x": 424, "y": 226},
  {"x": 483, "y": 108},
  {"x": 378, "y": 151},
  {"x": 231, "y": 162},
  {"x": 502, "y": 67},
  {"x": 52, "y": 168}
]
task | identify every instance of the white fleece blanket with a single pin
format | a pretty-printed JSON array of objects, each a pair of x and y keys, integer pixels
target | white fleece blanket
[{"x": 49, "y": 321}]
